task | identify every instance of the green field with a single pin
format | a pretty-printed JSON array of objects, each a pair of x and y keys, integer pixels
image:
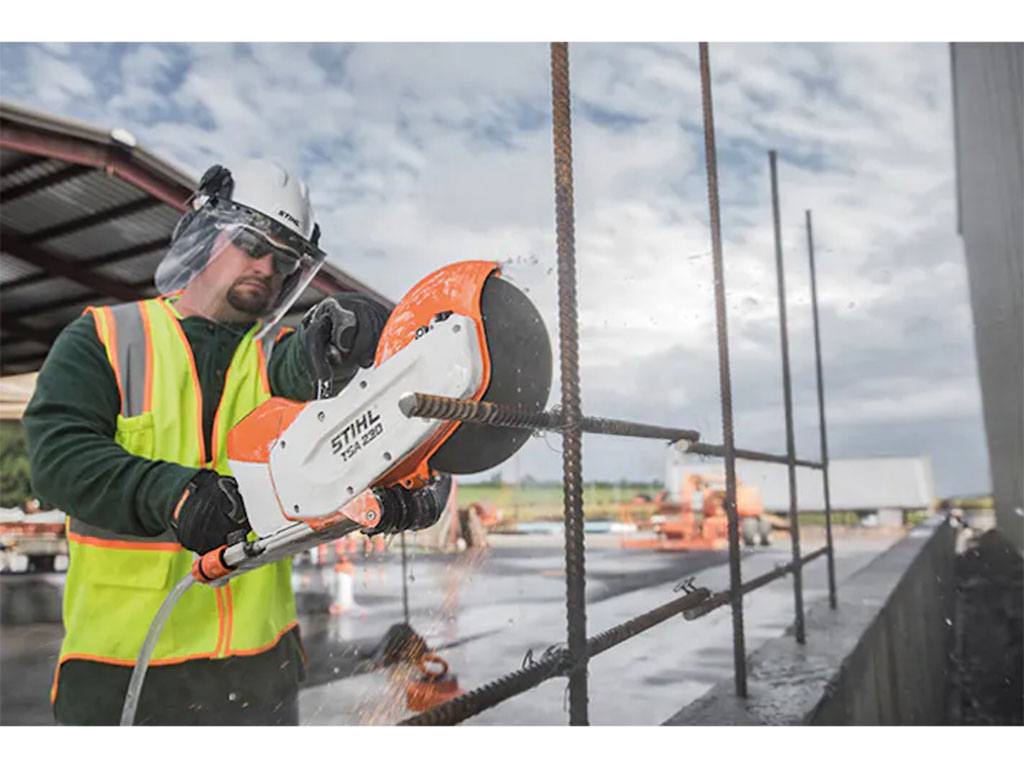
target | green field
[{"x": 601, "y": 501}]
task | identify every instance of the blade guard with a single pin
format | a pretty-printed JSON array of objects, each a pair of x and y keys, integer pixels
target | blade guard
[{"x": 456, "y": 289}]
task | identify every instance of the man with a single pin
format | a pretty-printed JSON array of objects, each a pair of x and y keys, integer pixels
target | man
[{"x": 127, "y": 434}]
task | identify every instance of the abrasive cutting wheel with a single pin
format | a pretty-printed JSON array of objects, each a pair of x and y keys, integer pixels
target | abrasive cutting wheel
[
  {"x": 520, "y": 354},
  {"x": 516, "y": 348}
]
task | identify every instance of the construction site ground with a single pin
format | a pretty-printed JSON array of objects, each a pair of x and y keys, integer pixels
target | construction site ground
[{"x": 484, "y": 611}]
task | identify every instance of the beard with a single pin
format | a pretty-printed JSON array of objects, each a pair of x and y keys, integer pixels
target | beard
[{"x": 243, "y": 297}]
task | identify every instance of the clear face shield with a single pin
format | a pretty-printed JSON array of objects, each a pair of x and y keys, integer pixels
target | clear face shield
[{"x": 236, "y": 266}]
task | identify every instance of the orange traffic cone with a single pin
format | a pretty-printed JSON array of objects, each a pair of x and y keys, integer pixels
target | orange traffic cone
[{"x": 344, "y": 588}]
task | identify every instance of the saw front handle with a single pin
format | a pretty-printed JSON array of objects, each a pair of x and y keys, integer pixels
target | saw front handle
[
  {"x": 229, "y": 560},
  {"x": 211, "y": 566},
  {"x": 384, "y": 510}
]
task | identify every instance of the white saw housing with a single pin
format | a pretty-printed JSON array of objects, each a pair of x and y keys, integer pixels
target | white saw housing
[{"x": 336, "y": 448}]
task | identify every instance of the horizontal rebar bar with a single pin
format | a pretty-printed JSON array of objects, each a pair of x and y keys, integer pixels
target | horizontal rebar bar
[
  {"x": 631, "y": 627},
  {"x": 719, "y": 599},
  {"x": 495, "y": 415},
  {"x": 418, "y": 404},
  {"x": 709, "y": 449},
  {"x": 493, "y": 693},
  {"x": 553, "y": 664}
]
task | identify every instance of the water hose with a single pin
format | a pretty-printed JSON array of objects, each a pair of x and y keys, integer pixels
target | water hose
[
  {"x": 217, "y": 567},
  {"x": 131, "y": 698}
]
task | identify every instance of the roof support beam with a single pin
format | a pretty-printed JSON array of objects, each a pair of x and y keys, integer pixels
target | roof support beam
[
  {"x": 112, "y": 159},
  {"x": 18, "y": 247}
]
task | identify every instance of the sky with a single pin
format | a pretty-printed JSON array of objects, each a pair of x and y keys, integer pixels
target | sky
[{"x": 418, "y": 155}]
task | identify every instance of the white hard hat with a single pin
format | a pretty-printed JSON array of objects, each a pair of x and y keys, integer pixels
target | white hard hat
[{"x": 266, "y": 187}]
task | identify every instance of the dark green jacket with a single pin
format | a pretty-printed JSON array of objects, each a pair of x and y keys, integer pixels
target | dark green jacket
[{"x": 77, "y": 467}]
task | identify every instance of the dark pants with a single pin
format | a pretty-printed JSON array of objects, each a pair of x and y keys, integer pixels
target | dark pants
[{"x": 239, "y": 690}]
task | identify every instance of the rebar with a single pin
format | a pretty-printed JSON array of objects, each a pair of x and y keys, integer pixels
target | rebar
[
  {"x": 724, "y": 376},
  {"x": 493, "y": 693},
  {"x": 405, "y": 581},
  {"x": 718, "y": 599},
  {"x": 632, "y": 627},
  {"x": 707, "y": 449},
  {"x": 787, "y": 391},
  {"x": 572, "y": 660},
  {"x": 821, "y": 419},
  {"x": 555, "y": 662},
  {"x": 419, "y": 404},
  {"x": 572, "y": 473}
]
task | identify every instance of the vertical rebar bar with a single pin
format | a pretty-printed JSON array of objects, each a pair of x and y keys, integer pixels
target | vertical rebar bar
[
  {"x": 405, "y": 582},
  {"x": 821, "y": 419},
  {"x": 572, "y": 482},
  {"x": 787, "y": 390},
  {"x": 724, "y": 379}
]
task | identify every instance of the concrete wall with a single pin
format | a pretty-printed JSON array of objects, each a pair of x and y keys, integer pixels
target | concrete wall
[
  {"x": 879, "y": 659},
  {"x": 988, "y": 106}
]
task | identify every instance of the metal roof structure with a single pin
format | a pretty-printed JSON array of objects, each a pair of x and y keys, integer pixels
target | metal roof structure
[{"x": 85, "y": 217}]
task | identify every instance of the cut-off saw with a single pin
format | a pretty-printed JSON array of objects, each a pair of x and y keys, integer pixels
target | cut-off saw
[{"x": 312, "y": 471}]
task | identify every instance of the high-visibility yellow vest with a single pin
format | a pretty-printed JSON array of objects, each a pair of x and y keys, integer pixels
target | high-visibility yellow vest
[{"x": 115, "y": 583}]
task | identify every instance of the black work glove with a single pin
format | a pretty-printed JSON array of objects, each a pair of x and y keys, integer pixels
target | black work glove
[
  {"x": 405, "y": 510},
  {"x": 339, "y": 335},
  {"x": 209, "y": 513}
]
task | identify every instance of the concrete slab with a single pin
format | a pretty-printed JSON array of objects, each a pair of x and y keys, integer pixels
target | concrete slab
[
  {"x": 514, "y": 602},
  {"x": 484, "y": 610}
]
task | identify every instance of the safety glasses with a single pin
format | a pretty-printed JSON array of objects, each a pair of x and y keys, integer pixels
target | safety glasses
[{"x": 257, "y": 246}]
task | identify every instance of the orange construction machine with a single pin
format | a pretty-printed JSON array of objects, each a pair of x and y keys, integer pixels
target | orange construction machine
[{"x": 677, "y": 526}]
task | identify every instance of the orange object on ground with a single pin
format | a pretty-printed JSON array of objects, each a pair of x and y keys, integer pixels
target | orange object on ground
[{"x": 436, "y": 685}]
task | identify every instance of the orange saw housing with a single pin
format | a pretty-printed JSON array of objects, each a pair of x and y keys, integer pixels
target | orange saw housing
[{"x": 454, "y": 289}]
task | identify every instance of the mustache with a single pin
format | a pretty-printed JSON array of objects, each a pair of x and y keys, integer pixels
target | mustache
[{"x": 266, "y": 282}]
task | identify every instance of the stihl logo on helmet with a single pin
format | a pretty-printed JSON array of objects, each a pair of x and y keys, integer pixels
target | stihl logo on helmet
[{"x": 289, "y": 217}]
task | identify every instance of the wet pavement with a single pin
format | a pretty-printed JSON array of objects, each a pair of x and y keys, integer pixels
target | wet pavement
[{"x": 484, "y": 610}]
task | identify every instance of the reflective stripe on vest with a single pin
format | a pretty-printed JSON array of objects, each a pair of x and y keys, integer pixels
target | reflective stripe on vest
[{"x": 116, "y": 583}]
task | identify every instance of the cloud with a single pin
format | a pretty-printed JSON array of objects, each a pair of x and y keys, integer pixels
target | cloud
[{"x": 418, "y": 155}]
